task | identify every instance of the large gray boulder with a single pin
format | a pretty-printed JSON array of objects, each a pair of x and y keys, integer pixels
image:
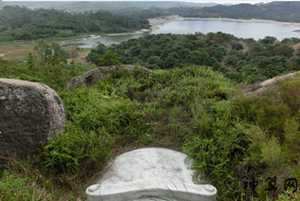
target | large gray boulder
[
  {"x": 30, "y": 114},
  {"x": 264, "y": 86},
  {"x": 150, "y": 174}
]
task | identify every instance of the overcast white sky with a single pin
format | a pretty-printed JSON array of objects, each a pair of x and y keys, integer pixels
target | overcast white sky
[
  {"x": 239, "y": 1},
  {"x": 196, "y": 1},
  {"x": 235, "y": 1}
]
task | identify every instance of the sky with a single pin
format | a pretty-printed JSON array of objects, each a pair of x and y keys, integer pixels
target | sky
[
  {"x": 195, "y": 1},
  {"x": 235, "y": 1},
  {"x": 240, "y": 1}
]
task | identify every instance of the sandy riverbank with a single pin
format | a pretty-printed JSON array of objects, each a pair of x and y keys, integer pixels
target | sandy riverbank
[
  {"x": 154, "y": 24},
  {"x": 254, "y": 20},
  {"x": 158, "y": 21}
]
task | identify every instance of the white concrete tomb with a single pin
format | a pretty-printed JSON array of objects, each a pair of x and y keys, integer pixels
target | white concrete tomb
[{"x": 150, "y": 174}]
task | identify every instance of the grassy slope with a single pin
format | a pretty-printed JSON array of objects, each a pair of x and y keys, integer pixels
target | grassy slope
[{"x": 192, "y": 109}]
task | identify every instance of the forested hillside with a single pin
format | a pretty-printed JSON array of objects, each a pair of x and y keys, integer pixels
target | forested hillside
[
  {"x": 280, "y": 11},
  {"x": 20, "y": 23},
  {"x": 238, "y": 59},
  {"x": 102, "y": 5}
]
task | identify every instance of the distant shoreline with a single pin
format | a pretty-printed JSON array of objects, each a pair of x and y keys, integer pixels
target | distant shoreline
[
  {"x": 241, "y": 20},
  {"x": 157, "y": 21}
]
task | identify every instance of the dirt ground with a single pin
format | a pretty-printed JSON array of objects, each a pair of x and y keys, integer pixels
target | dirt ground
[
  {"x": 15, "y": 50},
  {"x": 18, "y": 50}
]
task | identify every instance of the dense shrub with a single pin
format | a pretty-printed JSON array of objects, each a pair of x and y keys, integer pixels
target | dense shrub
[
  {"x": 277, "y": 138},
  {"x": 97, "y": 123},
  {"x": 288, "y": 196},
  {"x": 239, "y": 59},
  {"x": 76, "y": 150},
  {"x": 92, "y": 110}
]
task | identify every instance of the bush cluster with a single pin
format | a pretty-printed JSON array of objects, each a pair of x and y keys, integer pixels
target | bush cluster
[{"x": 242, "y": 60}]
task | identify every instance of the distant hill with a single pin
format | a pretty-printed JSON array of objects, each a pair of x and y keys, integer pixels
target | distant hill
[
  {"x": 111, "y": 6},
  {"x": 280, "y": 11},
  {"x": 21, "y": 23}
]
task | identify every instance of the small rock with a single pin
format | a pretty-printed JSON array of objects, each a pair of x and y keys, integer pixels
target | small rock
[
  {"x": 101, "y": 73},
  {"x": 261, "y": 87}
]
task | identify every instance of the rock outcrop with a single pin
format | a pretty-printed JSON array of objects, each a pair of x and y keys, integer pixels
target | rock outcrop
[
  {"x": 101, "y": 73},
  {"x": 261, "y": 87},
  {"x": 150, "y": 174},
  {"x": 30, "y": 114}
]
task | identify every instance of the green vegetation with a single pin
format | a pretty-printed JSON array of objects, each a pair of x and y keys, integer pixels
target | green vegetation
[
  {"x": 14, "y": 188},
  {"x": 20, "y": 23},
  {"x": 179, "y": 105},
  {"x": 238, "y": 59},
  {"x": 47, "y": 64},
  {"x": 280, "y": 11},
  {"x": 289, "y": 197},
  {"x": 23, "y": 183}
]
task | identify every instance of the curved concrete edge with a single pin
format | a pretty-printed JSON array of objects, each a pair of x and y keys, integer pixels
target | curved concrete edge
[{"x": 135, "y": 190}]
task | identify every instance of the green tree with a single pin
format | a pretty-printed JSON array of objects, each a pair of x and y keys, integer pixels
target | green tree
[
  {"x": 154, "y": 61},
  {"x": 199, "y": 57},
  {"x": 30, "y": 61},
  {"x": 94, "y": 54},
  {"x": 50, "y": 53},
  {"x": 109, "y": 58}
]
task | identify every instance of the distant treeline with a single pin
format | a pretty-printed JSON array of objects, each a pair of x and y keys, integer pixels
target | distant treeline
[
  {"x": 113, "y": 6},
  {"x": 242, "y": 60},
  {"x": 280, "y": 11},
  {"x": 20, "y": 23}
]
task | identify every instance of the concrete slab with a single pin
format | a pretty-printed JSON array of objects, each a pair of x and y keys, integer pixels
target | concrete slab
[{"x": 150, "y": 174}]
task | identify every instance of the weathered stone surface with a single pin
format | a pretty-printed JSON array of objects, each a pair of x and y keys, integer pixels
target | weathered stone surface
[
  {"x": 100, "y": 73},
  {"x": 150, "y": 174},
  {"x": 261, "y": 87},
  {"x": 30, "y": 114}
]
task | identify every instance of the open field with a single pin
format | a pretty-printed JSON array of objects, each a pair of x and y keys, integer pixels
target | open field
[
  {"x": 15, "y": 50},
  {"x": 18, "y": 50}
]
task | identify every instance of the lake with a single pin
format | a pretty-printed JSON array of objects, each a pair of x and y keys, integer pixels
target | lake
[{"x": 256, "y": 29}]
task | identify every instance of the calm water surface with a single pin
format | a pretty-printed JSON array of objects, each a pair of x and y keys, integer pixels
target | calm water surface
[{"x": 256, "y": 29}]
